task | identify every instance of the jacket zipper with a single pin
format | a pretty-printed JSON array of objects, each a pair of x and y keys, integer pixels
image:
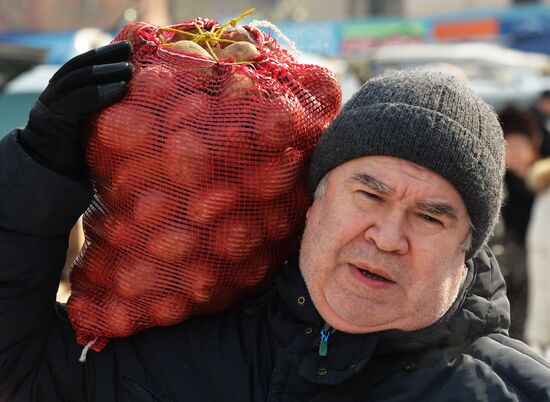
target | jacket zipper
[
  {"x": 141, "y": 390},
  {"x": 326, "y": 332}
]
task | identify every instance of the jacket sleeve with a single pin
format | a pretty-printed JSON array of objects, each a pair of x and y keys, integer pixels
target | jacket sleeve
[{"x": 38, "y": 352}]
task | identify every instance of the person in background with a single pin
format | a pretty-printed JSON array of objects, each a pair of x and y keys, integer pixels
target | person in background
[
  {"x": 392, "y": 295},
  {"x": 523, "y": 140},
  {"x": 537, "y": 328},
  {"x": 541, "y": 112}
]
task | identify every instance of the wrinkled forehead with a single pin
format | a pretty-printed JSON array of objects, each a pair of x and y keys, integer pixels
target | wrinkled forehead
[
  {"x": 389, "y": 166},
  {"x": 389, "y": 174}
]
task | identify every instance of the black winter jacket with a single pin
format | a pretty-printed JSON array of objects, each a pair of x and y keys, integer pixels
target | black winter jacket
[{"x": 265, "y": 349}]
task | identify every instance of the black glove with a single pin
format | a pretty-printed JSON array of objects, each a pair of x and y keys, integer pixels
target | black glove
[{"x": 86, "y": 83}]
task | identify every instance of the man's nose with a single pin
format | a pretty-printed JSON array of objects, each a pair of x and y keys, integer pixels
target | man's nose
[{"x": 388, "y": 233}]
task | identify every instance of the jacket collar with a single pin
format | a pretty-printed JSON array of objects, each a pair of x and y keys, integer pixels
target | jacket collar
[{"x": 481, "y": 308}]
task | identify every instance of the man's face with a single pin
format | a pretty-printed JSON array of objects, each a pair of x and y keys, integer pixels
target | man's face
[{"x": 384, "y": 246}]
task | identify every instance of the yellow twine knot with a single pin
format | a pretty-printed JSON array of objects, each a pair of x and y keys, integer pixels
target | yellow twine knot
[{"x": 211, "y": 36}]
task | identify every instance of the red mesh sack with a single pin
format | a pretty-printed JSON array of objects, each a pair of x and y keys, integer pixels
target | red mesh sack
[{"x": 199, "y": 175}]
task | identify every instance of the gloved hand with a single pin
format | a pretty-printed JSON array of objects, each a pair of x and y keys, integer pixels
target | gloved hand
[{"x": 86, "y": 83}]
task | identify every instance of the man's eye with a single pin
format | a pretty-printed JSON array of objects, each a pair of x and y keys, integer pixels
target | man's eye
[
  {"x": 370, "y": 195},
  {"x": 431, "y": 219}
]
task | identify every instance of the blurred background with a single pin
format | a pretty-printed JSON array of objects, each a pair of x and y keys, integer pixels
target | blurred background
[{"x": 500, "y": 48}]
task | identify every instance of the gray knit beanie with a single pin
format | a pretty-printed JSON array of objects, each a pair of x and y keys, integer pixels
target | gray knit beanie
[{"x": 430, "y": 119}]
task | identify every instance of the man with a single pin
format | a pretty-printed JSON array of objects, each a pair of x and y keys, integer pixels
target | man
[{"x": 392, "y": 297}]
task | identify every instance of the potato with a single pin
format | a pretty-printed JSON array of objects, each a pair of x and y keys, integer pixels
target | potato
[
  {"x": 252, "y": 271},
  {"x": 239, "y": 52},
  {"x": 151, "y": 82},
  {"x": 283, "y": 125},
  {"x": 97, "y": 226},
  {"x": 186, "y": 157},
  {"x": 235, "y": 239},
  {"x": 187, "y": 46},
  {"x": 239, "y": 85},
  {"x": 212, "y": 202},
  {"x": 125, "y": 127},
  {"x": 197, "y": 281},
  {"x": 100, "y": 160},
  {"x": 116, "y": 318},
  {"x": 168, "y": 310},
  {"x": 130, "y": 124},
  {"x": 278, "y": 220},
  {"x": 321, "y": 96},
  {"x": 275, "y": 178},
  {"x": 238, "y": 34},
  {"x": 94, "y": 265},
  {"x": 172, "y": 244},
  {"x": 83, "y": 310},
  {"x": 185, "y": 153},
  {"x": 86, "y": 309},
  {"x": 117, "y": 231},
  {"x": 117, "y": 192},
  {"x": 151, "y": 206},
  {"x": 133, "y": 278},
  {"x": 130, "y": 33}
]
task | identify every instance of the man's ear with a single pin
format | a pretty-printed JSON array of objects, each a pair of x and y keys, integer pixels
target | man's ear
[{"x": 309, "y": 210}]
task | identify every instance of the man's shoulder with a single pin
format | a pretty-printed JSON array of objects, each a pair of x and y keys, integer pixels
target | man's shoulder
[
  {"x": 511, "y": 360},
  {"x": 501, "y": 348},
  {"x": 493, "y": 367}
]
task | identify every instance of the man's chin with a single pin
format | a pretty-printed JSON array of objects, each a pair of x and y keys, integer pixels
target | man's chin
[
  {"x": 353, "y": 325},
  {"x": 349, "y": 328}
]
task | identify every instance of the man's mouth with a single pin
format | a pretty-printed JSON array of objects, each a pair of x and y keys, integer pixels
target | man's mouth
[{"x": 372, "y": 275}]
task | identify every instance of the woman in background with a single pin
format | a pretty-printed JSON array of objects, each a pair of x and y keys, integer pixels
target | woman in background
[
  {"x": 523, "y": 140},
  {"x": 537, "y": 329}
]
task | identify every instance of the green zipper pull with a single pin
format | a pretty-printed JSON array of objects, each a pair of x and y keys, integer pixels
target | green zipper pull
[{"x": 325, "y": 333}]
